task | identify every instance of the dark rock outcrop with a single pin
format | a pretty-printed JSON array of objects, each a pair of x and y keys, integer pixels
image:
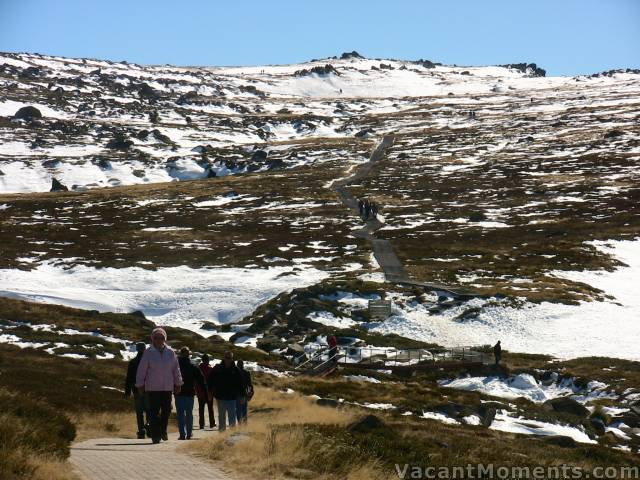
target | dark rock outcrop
[
  {"x": 53, "y": 163},
  {"x": 530, "y": 69},
  {"x": 613, "y": 133},
  {"x": 477, "y": 217},
  {"x": 318, "y": 70},
  {"x": 259, "y": 156},
  {"x": 566, "y": 405},
  {"x": 352, "y": 54},
  {"x": 27, "y": 113},
  {"x": 366, "y": 424},
  {"x": 56, "y": 186},
  {"x": 119, "y": 142}
]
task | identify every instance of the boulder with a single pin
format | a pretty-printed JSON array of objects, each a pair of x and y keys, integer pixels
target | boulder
[
  {"x": 38, "y": 142},
  {"x": 364, "y": 133},
  {"x": 366, "y": 424},
  {"x": 318, "y": 70},
  {"x": 269, "y": 343},
  {"x": 56, "y": 186},
  {"x": 259, "y": 155},
  {"x": 352, "y": 54},
  {"x": 566, "y": 405},
  {"x": 275, "y": 163},
  {"x": 103, "y": 163},
  {"x": 27, "y": 113},
  {"x": 30, "y": 72},
  {"x": 328, "y": 402},
  {"x": 613, "y": 133},
  {"x": 119, "y": 142},
  {"x": 477, "y": 217},
  {"x": 295, "y": 349},
  {"x": 161, "y": 137},
  {"x": 598, "y": 425},
  {"x": 138, "y": 313},
  {"x": 630, "y": 419},
  {"x": 53, "y": 163},
  {"x": 561, "y": 441},
  {"x": 145, "y": 91}
]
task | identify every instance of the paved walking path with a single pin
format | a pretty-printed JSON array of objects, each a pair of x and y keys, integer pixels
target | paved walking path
[
  {"x": 383, "y": 250},
  {"x": 120, "y": 459}
]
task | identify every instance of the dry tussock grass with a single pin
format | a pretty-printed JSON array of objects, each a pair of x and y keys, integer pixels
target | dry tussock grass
[
  {"x": 52, "y": 469},
  {"x": 273, "y": 441},
  {"x": 105, "y": 424}
]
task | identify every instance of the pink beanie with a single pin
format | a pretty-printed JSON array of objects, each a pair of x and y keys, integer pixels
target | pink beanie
[{"x": 160, "y": 331}]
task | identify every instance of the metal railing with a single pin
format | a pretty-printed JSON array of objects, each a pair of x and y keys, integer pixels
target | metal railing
[{"x": 377, "y": 357}]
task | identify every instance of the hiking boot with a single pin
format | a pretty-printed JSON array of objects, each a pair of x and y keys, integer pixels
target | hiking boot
[
  {"x": 156, "y": 440},
  {"x": 165, "y": 437},
  {"x": 141, "y": 436},
  {"x": 213, "y": 425},
  {"x": 181, "y": 437}
]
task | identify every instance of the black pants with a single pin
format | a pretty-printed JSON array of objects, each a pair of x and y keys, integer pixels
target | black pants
[
  {"x": 202, "y": 402},
  {"x": 159, "y": 404},
  {"x": 139, "y": 401}
]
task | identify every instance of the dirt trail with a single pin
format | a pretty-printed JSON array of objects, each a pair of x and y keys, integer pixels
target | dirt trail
[
  {"x": 383, "y": 250},
  {"x": 117, "y": 458}
]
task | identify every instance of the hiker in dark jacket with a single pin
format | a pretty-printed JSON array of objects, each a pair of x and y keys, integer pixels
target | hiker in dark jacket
[
  {"x": 225, "y": 381},
  {"x": 374, "y": 209},
  {"x": 205, "y": 397},
  {"x": 192, "y": 377},
  {"x": 361, "y": 207},
  {"x": 242, "y": 403},
  {"x": 332, "y": 341},
  {"x": 497, "y": 352},
  {"x": 138, "y": 398}
]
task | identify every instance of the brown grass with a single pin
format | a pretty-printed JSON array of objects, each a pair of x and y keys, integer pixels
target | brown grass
[{"x": 273, "y": 441}]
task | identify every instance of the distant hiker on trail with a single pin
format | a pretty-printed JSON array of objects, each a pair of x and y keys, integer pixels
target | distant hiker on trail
[
  {"x": 225, "y": 381},
  {"x": 361, "y": 207},
  {"x": 367, "y": 209},
  {"x": 333, "y": 346},
  {"x": 497, "y": 352},
  {"x": 158, "y": 377},
  {"x": 242, "y": 403},
  {"x": 191, "y": 376},
  {"x": 205, "y": 397},
  {"x": 374, "y": 209},
  {"x": 138, "y": 397}
]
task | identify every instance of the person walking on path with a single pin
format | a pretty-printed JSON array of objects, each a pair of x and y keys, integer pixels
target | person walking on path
[
  {"x": 367, "y": 209},
  {"x": 374, "y": 209},
  {"x": 205, "y": 397},
  {"x": 333, "y": 347},
  {"x": 158, "y": 376},
  {"x": 242, "y": 403},
  {"x": 138, "y": 398},
  {"x": 497, "y": 352},
  {"x": 191, "y": 377},
  {"x": 225, "y": 381},
  {"x": 361, "y": 207}
]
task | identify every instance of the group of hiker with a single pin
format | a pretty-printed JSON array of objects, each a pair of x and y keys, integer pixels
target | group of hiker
[
  {"x": 367, "y": 209},
  {"x": 157, "y": 373}
]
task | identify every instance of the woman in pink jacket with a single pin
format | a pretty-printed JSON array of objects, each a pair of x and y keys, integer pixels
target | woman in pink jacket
[{"x": 158, "y": 376}]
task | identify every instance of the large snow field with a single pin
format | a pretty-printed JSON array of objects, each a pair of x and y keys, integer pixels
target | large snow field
[
  {"x": 609, "y": 328},
  {"x": 176, "y": 296}
]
